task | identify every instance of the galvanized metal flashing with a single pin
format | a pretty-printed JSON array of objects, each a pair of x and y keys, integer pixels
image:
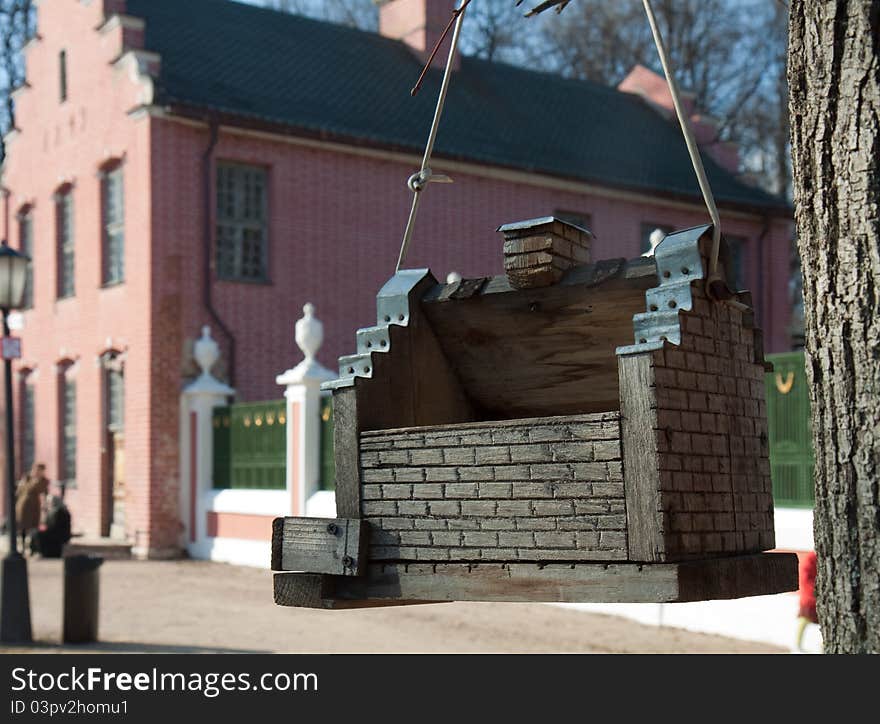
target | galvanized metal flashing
[
  {"x": 679, "y": 264},
  {"x": 392, "y": 308},
  {"x": 539, "y": 222}
]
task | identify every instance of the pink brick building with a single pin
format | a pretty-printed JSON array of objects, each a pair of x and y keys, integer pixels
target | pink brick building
[{"x": 177, "y": 164}]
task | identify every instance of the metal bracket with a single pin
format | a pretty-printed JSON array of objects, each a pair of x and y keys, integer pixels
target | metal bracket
[
  {"x": 392, "y": 308},
  {"x": 679, "y": 264}
]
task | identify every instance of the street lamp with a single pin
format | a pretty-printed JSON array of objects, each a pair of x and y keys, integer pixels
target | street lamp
[{"x": 15, "y": 608}]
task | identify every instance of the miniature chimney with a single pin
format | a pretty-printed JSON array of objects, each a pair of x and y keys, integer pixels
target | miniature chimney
[
  {"x": 539, "y": 251},
  {"x": 418, "y": 23}
]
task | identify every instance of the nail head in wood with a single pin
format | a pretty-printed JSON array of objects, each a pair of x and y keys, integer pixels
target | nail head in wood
[{"x": 316, "y": 545}]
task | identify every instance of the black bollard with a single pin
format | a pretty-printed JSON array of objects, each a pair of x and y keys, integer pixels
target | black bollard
[{"x": 81, "y": 587}]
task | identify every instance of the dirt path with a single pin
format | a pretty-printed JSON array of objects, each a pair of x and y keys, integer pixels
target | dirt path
[{"x": 199, "y": 606}]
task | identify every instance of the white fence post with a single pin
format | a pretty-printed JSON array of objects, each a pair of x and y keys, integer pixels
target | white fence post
[
  {"x": 303, "y": 395},
  {"x": 197, "y": 404}
]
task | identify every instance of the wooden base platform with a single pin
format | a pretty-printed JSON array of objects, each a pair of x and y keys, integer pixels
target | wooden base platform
[{"x": 401, "y": 584}]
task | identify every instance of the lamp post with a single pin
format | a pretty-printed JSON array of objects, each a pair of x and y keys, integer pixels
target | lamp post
[{"x": 15, "y": 608}]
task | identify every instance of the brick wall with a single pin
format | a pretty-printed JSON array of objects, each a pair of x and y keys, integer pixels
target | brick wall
[
  {"x": 716, "y": 490},
  {"x": 69, "y": 141},
  {"x": 156, "y": 314},
  {"x": 531, "y": 490},
  {"x": 341, "y": 277}
]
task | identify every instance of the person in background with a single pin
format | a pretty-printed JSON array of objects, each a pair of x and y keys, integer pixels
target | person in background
[
  {"x": 50, "y": 541},
  {"x": 29, "y": 498},
  {"x": 807, "y": 593}
]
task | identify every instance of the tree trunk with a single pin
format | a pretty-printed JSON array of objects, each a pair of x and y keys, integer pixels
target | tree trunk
[{"x": 834, "y": 77}]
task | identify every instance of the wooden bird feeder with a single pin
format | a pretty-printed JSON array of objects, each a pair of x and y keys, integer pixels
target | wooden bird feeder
[
  {"x": 566, "y": 432},
  {"x": 570, "y": 431}
]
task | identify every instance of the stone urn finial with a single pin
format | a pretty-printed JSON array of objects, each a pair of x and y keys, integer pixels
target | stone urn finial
[
  {"x": 206, "y": 351},
  {"x": 655, "y": 238},
  {"x": 309, "y": 333},
  {"x": 309, "y": 336}
]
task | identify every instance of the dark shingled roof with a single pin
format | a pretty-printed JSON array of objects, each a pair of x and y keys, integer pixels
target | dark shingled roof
[{"x": 330, "y": 81}]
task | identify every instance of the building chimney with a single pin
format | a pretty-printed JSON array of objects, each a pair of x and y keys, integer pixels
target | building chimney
[
  {"x": 652, "y": 87},
  {"x": 418, "y": 23}
]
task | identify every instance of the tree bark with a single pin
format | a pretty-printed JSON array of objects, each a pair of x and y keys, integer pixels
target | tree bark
[{"x": 834, "y": 77}]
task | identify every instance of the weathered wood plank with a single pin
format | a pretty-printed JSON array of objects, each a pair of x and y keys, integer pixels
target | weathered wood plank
[
  {"x": 302, "y": 590},
  {"x": 641, "y": 267},
  {"x": 640, "y": 464},
  {"x": 277, "y": 538},
  {"x": 307, "y": 590},
  {"x": 517, "y": 582},
  {"x": 605, "y": 420},
  {"x": 718, "y": 578},
  {"x": 437, "y": 392},
  {"x": 738, "y": 577},
  {"x": 319, "y": 545},
  {"x": 585, "y": 274},
  {"x": 541, "y": 352},
  {"x": 346, "y": 434},
  {"x": 468, "y": 287},
  {"x": 413, "y": 383},
  {"x": 388, "y": 396}
]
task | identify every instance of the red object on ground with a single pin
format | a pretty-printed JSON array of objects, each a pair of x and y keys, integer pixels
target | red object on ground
[{"x": 807, "y": 586}]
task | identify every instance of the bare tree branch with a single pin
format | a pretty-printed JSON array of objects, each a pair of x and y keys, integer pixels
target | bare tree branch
[
  {"x": 16, "y": 27},
  {"x": 729, "y": 53}
]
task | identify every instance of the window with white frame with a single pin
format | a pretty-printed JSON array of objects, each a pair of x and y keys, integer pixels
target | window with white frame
[{"x": 242, "y": 233}]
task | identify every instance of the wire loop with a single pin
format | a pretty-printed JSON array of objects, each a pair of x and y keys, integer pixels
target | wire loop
[
  {"x": 419, "y": 180},
  {"x": 693, "y": 150}
]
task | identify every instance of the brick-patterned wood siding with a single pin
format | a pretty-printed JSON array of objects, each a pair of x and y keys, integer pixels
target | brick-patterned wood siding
[
  {"x": 712, "y": 435},
  {"x": 530, "y": 490}
]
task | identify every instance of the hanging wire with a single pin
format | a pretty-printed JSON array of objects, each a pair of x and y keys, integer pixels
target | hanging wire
[
  {"x": 693, "y": 150},
  {"x": 419, "y": 180},
  {"x": 455, "y": 14}
]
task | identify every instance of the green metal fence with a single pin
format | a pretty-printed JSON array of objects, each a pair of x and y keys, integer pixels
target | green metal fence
[
  {"x": 788, "y": 416},
  {"x": 249, "y": 438},
  {"x": 328, "y": 464},
  {"x": 249, "y": 445}
]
